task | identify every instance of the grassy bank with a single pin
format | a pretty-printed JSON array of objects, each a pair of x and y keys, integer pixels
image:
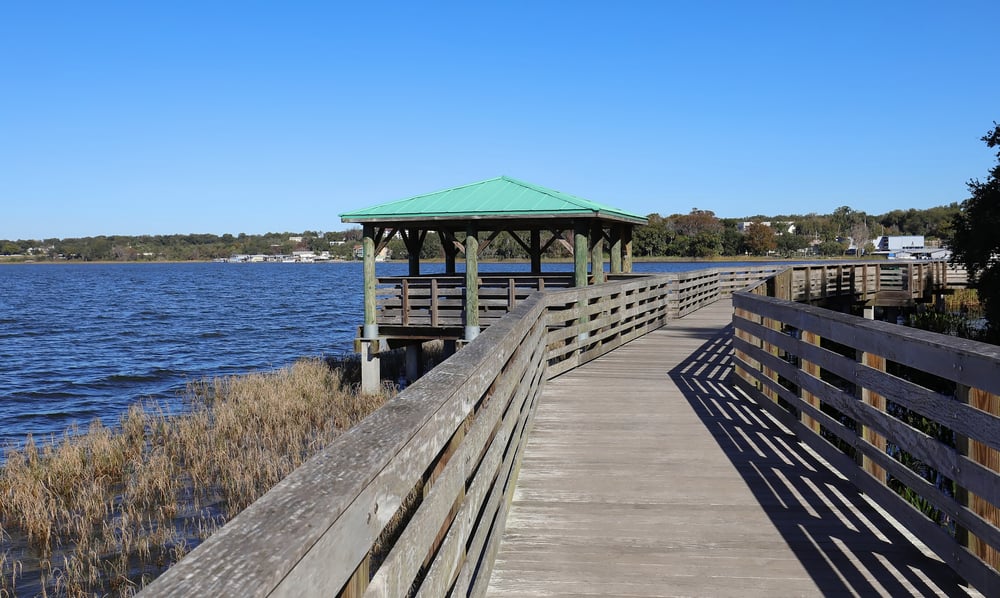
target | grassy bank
[{"x": 106, "y": 510}]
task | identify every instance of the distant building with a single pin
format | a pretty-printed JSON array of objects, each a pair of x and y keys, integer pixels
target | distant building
[
  {"x": 385, "y": 254},
  {"x": 899, "y": 243}
]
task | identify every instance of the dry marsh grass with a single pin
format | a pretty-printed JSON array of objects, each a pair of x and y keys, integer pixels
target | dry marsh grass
[{"x": 106, "y": 510}]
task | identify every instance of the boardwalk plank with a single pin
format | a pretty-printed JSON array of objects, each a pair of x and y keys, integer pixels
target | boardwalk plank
[{"x": 646, "y": 474}]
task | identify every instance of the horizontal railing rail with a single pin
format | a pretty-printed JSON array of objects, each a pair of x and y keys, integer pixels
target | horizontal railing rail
[{"x": 911, "y": 417}]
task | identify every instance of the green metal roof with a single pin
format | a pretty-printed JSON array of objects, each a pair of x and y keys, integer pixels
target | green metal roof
[{"x": 499, "y": 198}]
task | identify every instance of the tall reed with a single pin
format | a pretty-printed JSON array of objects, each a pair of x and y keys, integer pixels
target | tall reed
[{"x": 107, "y": 510}]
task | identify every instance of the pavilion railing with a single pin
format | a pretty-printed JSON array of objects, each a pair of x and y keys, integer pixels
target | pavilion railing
[{"x": 911, "y": 417}]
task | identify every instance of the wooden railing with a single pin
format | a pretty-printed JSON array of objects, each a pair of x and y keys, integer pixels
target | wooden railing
[
  {"x": 911, "y": 417},
  {"x": 414, "y": 499},
  {"x": 416, "y": 496},
  {"x": 438, "y": 300}
]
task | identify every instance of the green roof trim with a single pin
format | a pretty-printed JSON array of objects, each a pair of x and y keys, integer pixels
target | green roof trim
[{"x": 499, "y": 198}]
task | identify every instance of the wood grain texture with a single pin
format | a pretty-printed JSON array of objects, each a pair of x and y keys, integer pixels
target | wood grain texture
[{"x": 646, "y": 474}]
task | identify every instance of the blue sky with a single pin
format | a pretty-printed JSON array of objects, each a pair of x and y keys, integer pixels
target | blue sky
[{"x": 183, "y": 117}]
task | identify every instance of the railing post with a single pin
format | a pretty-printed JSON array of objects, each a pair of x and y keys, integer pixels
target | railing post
[
  {"x": 434, "y": 302},
  {"x": 989, "y": 458},
  {"x": 876, "y": 362},
  {"x": 810, "y": 369},
  {"x": 405, "y": 302}
]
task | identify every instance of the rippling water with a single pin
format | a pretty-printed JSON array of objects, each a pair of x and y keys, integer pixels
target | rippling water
[{"x": 79, "y": 341}]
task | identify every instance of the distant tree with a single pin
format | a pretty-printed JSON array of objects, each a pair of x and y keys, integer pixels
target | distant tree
[
  {"x": 431, "y": 249},
  {"x": 698, "y": 234},
  {"x": 760, "y": 238},
  {"x": 654, "y": 238},
  {"x": 10, "y": 248},
  {"x": 861, "y": 236},
  {"x": 831, "y": 248},
  {"x": 790, "y": 243},
  {"x": 843, "y": 218},
  {"x": 732, "y": 241},
  {"x": 976, "y": 243}
]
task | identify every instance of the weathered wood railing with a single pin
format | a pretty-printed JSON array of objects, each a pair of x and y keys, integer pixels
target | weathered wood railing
[
  {"x": 416, "y": 496},
  {"x": 437, "y": 300},
  {"x": 900, "y": 412},
  {"x": 414, "y": 499}
]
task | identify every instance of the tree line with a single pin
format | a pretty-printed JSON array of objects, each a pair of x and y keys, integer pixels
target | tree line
[
  {"x": 700, "y": 234},
  {"x": 697, "y": 234}
]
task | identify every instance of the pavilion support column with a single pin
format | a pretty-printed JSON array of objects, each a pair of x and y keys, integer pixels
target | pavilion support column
[
  {"x": 627, "y": 249},
  {"x": 414, "y": 240},
  {"x": 371, "y": 371},
  {"x": 450, "y": 251},
  {"x": 597, "y": 252},
  {"x": 616, "y": 249},
  {"x": 471, "y": 284},
  {"x": 580, "y": 231},
  {"x": 536, "y": 251}
]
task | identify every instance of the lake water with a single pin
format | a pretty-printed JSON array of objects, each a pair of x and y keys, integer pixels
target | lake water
[{"x": 85, "y": 341}]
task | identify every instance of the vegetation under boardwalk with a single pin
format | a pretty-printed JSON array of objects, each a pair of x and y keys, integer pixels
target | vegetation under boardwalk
[{"x": 648, "y": 474}]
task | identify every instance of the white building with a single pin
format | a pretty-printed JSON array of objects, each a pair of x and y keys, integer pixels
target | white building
[{"x": 891, "y": 244}]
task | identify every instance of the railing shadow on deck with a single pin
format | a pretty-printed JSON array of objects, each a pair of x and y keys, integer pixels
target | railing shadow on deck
[{"x": 842, "y": 541}]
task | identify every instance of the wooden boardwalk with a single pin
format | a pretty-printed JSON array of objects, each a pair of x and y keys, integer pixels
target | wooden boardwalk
[{"x": 646, "y": 474}]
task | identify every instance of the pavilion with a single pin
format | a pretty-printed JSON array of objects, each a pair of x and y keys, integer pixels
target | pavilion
[{"x": 482, "y": 211}]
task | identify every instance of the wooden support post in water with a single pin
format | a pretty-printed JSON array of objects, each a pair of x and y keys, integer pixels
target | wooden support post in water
[
  {"x": 471, "y": 284},
  {"x": 371, "y": 370},
  {"x": 597, "y": 252}
]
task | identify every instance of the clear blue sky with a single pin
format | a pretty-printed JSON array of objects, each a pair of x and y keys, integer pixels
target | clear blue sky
[{"x": 182, "y": 117}]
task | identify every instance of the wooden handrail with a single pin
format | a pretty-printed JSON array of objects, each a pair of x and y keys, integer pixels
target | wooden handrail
[
  {"x": 415, "y": 497},
  {"x": 851, "y": 389}
]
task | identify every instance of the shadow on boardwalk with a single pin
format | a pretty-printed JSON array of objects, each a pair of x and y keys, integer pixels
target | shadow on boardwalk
[{"x": 843, "y": 542}]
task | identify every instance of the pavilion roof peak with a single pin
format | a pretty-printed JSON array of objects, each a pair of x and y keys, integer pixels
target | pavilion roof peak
[{"x": 501, "y": 197}]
